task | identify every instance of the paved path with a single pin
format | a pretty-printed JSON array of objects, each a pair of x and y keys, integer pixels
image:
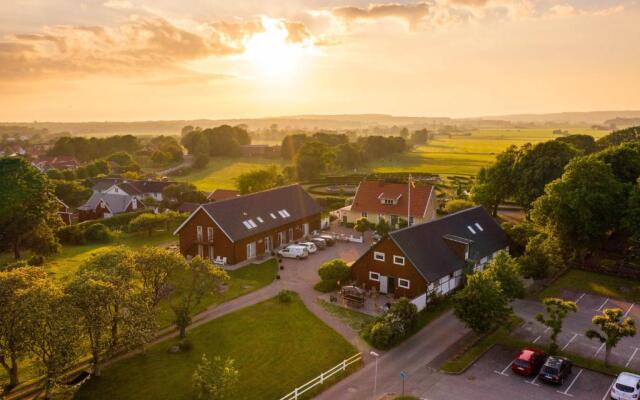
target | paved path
[{"x": 186, "y": 162}]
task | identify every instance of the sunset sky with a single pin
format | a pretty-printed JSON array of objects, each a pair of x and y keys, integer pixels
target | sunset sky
[{"x": 95, "y": 60}]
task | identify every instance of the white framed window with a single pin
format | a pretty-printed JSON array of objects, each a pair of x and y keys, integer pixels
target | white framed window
[
  {"x": 364, "y": 214},
  {"x": 374, "y": 276},
  {"x": 199, "y": 232},
  {"x": 210, "y": 234},
  {"x": 378, "y": 256},
  {"x": 201, "y": 250},
  {"x": 211, "y": 257},
  {"x": 398, "y": 260},
  {"x": 404, "y": 283}
]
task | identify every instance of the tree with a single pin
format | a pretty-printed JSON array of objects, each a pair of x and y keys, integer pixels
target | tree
[
  {"x": 453, "y": 206},
  {"x": 16, "y": 322},
  {"x": 481, "y": 304},
  {"x": 215, "y": 381},
  {"x": 181, "y": 192},
  {"x": 624, "y": 161},
  {"x": 382, "y": 228},
  {"x": 148, "y": 222},
  {"x": 419, "y": 137},
  {"x": 495, "y": 183},
  {"x": 586, "y": 144},
  {"x": 621, "y": 136},
  {"x": 291, "y": 144},
  {"x": 362, "y": 225},
  {"x": 347, "y": 156},
  {"x": 557, "y": 310},
  {"x": 55, "y": 337},
  {"x": 157, "y": 267},
  {"x": 538, "y": 165},
  {"x": 542, "y": 257},
  {"x": 27, "y": 202},
  {"x": 71, "y": 192},
  {"x": 204, "y": 278},
  {"x": 613, "y": 327},
  {"x": 311, "y": 160},
  {"x": 582, "y": 206},
  {"x": 631, "y": 219},
  {"x": 334, "y": 271},
  {"x": 505, "y": 270},
  {"x": 259, "y": 180}
]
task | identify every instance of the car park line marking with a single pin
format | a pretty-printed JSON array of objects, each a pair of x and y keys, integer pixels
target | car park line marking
[
  {"x": 569, "y": 342},
  {"x": 602, "y": 305},
  {"x": 547, "y": 330},
  {"x": 606, "y": 395},
  {"x": 580, "y": 298},
  {"x": 631, "y": 358},
  {"x": 599, "y": 350},
  {"x": 630, "y": 307},
  {"x": 536, "y": 339},
  {"x": 503, "y": 373},
  {"x": 533, "y": 381},
  {"x": 566, "y": 392}
]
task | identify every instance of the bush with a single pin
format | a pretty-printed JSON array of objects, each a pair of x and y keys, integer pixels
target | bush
[
  {"x": 453, "y": 206},
  {"x": 99, "y": 233},
  {"x": 71, "y": 234},
  {"x": 285, "y": 296},
  {"x": 325, "y": 286},
  {"x": 393, "y": 326},
  {"x": 335, "y": 271},
  {"x": 36, "y": 260},
  {"x": 185, "y": 344}
]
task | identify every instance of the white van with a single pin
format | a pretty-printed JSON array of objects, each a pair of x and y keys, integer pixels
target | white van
[{"x": 294, "y": 251}]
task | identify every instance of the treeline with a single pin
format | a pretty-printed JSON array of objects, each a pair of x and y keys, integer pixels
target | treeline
[
  {"x": 85, "y": 149},
  {"x": 324, "y": 152},
  {"x": 577, "y": 194},
  {"x": 222, "y": 141}
]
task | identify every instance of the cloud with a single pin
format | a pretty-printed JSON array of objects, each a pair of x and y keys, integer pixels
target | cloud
[
  {"x": 412, "y": 14},
  {"x": 565, "y": 10},
  {"x": 118, "y": 4},
  {"x": 139, "y": 45},
  {"x": 187, "y": 79}
]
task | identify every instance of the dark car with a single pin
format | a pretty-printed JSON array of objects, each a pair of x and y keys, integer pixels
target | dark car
[
  {"x": 329, "y": 239},
  {"x": 320, "y": 243},
  {"x": 528, "y": 362},
  {"x": 555, "y": 369}
]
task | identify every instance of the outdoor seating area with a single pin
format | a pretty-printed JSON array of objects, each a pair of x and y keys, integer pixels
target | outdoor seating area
[{"x": 369, "y": 302}]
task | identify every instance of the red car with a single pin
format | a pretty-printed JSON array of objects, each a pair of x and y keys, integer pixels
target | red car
[{"x": 528, "y": 362}]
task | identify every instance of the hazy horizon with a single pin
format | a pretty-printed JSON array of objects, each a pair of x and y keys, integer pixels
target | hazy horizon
[{"x": 142, "y": 60}]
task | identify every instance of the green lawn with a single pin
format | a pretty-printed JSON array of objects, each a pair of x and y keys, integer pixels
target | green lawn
[
  {"x": 354, "y": 319},
  {"x": 465, "y": 155},
  {"x": 221, "y": 173},
  {"x": 276, "y": 347},
  {"x": 243, "y": 280},
  {"x": 591, "y": 282}
]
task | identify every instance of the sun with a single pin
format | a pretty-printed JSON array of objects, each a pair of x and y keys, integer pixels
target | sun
[{"x": 271, "y": 52}]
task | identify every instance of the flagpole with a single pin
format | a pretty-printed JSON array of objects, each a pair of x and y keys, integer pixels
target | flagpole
[{"x": 409, "y": 202}]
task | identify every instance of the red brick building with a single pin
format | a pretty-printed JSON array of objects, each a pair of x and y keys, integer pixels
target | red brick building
[
  {"x": 431, "y": 257},
  {"x": 245, "y": 227}
]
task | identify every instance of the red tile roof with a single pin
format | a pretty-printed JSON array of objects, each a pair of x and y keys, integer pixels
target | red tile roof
[
  {"x": 370, "y": 194},
  {"x": 223, "y": 194}
]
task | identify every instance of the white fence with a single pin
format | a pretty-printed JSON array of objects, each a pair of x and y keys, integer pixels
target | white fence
[
  {"x": 319, "y": 380},
  {"x": 420, "y": 301}
]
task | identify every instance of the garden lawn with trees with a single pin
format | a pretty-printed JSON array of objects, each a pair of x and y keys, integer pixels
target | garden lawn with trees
[
  {"x": 269, "y": 342},
  {"x": 223, "y": 172}
]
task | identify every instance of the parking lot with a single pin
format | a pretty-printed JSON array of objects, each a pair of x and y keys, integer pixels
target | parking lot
[
  {"x": 491, "y": 378},
  {"x": 572, "y": 338}
]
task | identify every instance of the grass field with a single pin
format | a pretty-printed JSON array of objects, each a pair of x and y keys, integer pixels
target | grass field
[
  {"x": 276, "y": 347},
  {"x": 590, "y": 282},
  {"x": 221, "y": 173},
  {"x": 465, "y": 155}
]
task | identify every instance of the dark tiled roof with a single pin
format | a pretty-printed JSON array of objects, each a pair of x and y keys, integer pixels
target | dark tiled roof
[
  {"x": 370, "y": 193},
  {"x": 150, "y": 186},
  {"x": 188, "y": 207},
  {"x": 131, "y": 187},
  {"x": 426, "y": 247},
  {"x": 261, "y": 208}
]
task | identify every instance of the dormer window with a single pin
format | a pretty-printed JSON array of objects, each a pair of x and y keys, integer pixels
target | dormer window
[{"x": 388, "y": 201}]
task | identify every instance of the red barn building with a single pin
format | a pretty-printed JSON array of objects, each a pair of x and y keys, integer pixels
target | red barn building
[{"x": 241, "y": 228}]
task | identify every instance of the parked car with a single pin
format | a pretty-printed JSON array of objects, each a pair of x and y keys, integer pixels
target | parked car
[
  {"x": 320, "y": 243},
  {"x": 626, "y": 387},
  {"x": 528, "y": 362},
  {"x": 329, "y": 239},
  {"x": 294, "y": 251},
  {"x": 311, "y": 247},
  {"x": 555, "y": 369}
]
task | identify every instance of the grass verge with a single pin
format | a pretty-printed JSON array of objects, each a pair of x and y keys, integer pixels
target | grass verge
[
  {"x": 591, "y": 282},
  {"x": 356, "y": 320},
  {"x": 271, "y": 344}
]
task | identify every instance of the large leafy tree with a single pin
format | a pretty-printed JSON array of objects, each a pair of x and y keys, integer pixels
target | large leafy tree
[
  {"x": 542, "y": 257},
  {"x": 505, "y": 269},
  {"x": 260, "y": 179},
  {"x": 538, "y": 165},
  {"x": 586, "y": 144},
  {"x": 495, "y": 183},
  {"x": 624, "y": 161},
  {"x": 55, "y": 337},
  {"x": 620, "y": 136},
  {"x": 16, "y": 317},
  {"x": 556, "y": 310},
  {"x": 27, "y": 203},
  {"x": 158, "y": 267},
  {"x": 311, "y": 160},
  {"x": 482, "y": 305},
  {"x": 203, "y": 278},
  {"x": 613, "y": 327},
  {"x": 215, "y": 380},
  {"x": 582, "y": 206}
]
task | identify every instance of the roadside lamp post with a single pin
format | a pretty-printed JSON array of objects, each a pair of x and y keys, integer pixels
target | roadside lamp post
[{"x": 375, "y": 376}]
